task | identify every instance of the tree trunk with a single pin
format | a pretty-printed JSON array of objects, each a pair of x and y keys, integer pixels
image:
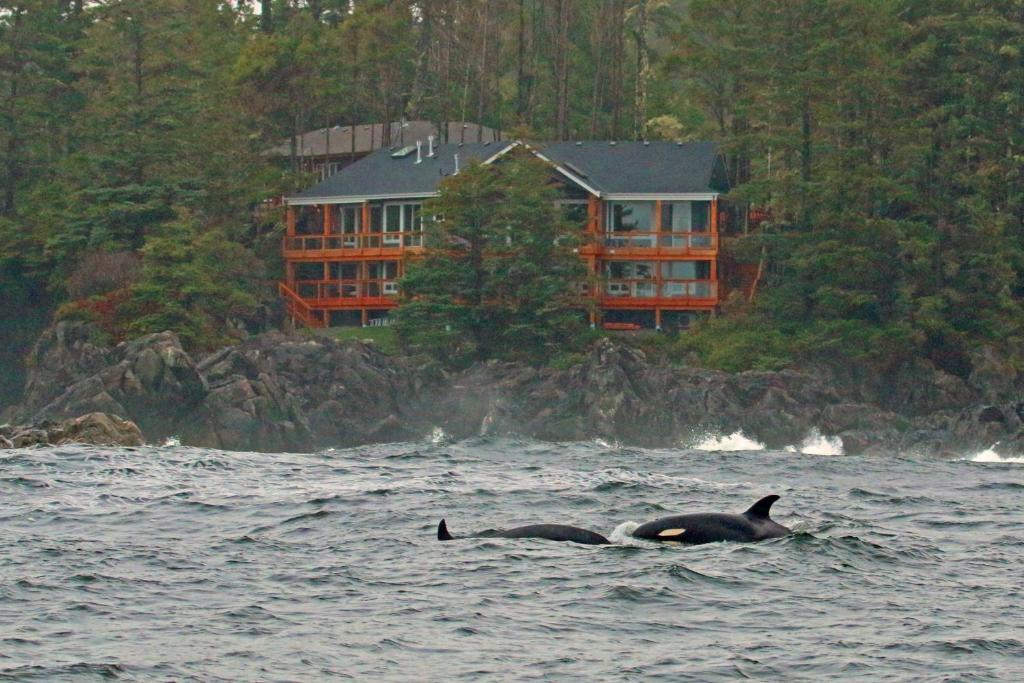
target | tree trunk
[
  {"x": 267, "y": 16},
  {"x": 562, "y": 72},
  {"x": 642, "y": 72}
]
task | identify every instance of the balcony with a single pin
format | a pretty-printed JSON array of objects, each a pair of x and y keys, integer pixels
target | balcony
[
  {"x": 352, "y": 244},
  {"x": 379, "y": 292},
  {"x": 666, "y": 293},
  {"x": 647, "y": 244}
]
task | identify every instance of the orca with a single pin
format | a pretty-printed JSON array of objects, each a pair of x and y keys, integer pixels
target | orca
[
  {"x": 551, "y": 532},
  {"x": 710, "y": 527}
]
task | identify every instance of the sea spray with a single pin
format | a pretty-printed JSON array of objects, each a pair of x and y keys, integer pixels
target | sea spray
[
  {"x": 737, "y": 441},
  {"x": 990, "y": 455},
  {"x": 815, "y": 443}
]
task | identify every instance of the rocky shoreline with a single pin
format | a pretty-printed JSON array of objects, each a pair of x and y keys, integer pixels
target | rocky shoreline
[{"x": 278, "y": 392}]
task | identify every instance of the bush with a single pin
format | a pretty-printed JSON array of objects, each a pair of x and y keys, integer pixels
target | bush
[{"x": 102, "y": 272}]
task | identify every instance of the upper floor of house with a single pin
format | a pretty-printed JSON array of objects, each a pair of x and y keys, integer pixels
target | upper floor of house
[{"x": 631, "y": 199}]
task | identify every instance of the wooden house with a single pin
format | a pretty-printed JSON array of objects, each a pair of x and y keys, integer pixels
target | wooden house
[{"x": 650, "y": 211}]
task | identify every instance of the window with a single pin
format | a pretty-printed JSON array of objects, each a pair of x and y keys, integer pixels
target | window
[
  {"x": 630, "y": 270},
  {"x": 685, "y": 216},
  {"x": 382, "y": 270},
  {"x": 343, "y": 270},
  {"x": 309, "y": 220},
  {"x": 401, "y": 217},
  {"x": 686, "y": 270},
  {"x": 348, "y": 219},
  {"x": 630, "y": 216}
]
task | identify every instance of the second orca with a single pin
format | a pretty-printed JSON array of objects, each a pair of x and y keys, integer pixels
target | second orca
[{"x": 551, "y": 532}]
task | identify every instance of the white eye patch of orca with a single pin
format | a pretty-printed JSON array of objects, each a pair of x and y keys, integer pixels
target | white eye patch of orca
[{"x": 671, "y": 532}]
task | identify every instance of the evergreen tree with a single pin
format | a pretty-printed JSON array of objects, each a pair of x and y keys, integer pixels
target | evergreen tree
[{"x": 500, "y": 278}]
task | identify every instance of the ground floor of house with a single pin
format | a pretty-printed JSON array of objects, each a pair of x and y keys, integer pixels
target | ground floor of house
[{"x": 625, "y": 294}]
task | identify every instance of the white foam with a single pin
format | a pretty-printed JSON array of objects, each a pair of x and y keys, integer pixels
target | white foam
[
  {"x": 623, "y": 534},
  {"x": 990, "y": 455},
  {"x": 171, "y": 442},
  {"x": 437, "y": 435},
  {"x": 737, "y": 441},
  {"x": 816, "y": 443}
]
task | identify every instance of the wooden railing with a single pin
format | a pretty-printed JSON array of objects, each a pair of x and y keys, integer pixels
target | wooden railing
[
  {"x": 674, "y": 290},
  {"x": 683, "y": 241},
  {"x": 361, "y": 292},
  {"x": 298, "y": 309},
  {"x": 352, "y": 241}
]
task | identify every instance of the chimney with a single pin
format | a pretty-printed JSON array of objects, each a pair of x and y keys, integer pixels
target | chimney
[
  {"x": 419, "y": 153},
  {"x": 430, "y": 146},
  {"x": 456, "y": 164}
]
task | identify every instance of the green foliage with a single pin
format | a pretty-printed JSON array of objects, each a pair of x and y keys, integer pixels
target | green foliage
[
  {"x": 499, "y": 278},
  {"x": 195, "y": 281}
]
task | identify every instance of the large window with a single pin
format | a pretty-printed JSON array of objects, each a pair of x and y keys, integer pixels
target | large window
[
  {"x": 309, "y": 220},
  {"x": 630, "y": 278},
  {"x": 401, "y": 218},
  {"x": 631, "y": 217},
  {"x": 348, "y": 220},
  {"x": 686, "y": 270},
  {"x": 685, "y": 216}
]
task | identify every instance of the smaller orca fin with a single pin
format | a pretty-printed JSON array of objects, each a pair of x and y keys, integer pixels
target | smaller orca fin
[
  {"x": 442, "y": 532},
  {"x": 761, "y": 508}
]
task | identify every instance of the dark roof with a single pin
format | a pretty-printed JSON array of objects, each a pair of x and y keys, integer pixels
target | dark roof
[
  {"x": 370, "y": 137},
  {"x": 638, "y": 167},
  {"x": 381, "y": 174},
  {"x": 656, "y": 168}
]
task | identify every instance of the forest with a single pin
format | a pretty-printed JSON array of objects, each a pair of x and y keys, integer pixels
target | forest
[{"x": 884, "y": 140}]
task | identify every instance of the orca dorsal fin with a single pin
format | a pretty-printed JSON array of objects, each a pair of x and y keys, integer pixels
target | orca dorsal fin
[
  {"x": 761, "y": 508},
  {"x": 442, "y": 532}
]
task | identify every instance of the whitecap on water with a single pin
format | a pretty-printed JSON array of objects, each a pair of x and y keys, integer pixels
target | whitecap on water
[
  {"x": 623, "y": 534},
  {"x": 990, "y": 455},
  {"x": 816, "y": 443},
  {"x": 737, "y": 441},
  {"x": 171, "y": 442},
  {"x": 438, "y": 435}
]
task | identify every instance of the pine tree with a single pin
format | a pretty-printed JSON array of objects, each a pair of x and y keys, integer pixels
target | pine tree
[{"x": 499, "y": 279}]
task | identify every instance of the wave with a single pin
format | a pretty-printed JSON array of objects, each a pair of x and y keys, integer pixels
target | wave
[
  {"x": 737, "y": 441},
  {"x": 623, "y": 534},
  {"x": 990, "y": 455},
  {"x": 816, "y": 443},
  {"x": 438, "y": 436}
]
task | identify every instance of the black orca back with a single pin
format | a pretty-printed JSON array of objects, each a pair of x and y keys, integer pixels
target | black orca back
[{"x": 550, "y": 532}]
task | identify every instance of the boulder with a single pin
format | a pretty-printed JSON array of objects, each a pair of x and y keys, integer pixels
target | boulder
[
  {"x": 64, "y": 354},
  {"x": 150, "y": 380},
  {"x": 98, "y": 429}
]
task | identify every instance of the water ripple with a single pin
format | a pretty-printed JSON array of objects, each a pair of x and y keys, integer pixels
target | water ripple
[{"x": 188, "y": 564}]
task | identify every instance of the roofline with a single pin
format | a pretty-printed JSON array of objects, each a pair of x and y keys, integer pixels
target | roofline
[
  {"x": 646, "y": 196},
  {"x": 566, "y": 173},
  {"x": 355, "y": 199},
  {"x": 512, "y": 144}
]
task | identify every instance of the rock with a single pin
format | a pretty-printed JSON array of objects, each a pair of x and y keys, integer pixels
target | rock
[
  {"x": 280, "y": 392},
  {"x": 30, "y": 436},
  {"x": 994, "y": 375},
  {"x": 64, "y": 354},
  {"x": 991, "y": 414},
  {"x": 150, "y": 380},
  {"x": 99, "y": 429}
]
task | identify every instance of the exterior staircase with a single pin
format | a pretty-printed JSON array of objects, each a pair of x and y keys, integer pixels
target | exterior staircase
[{"x": 299, "y": 311}]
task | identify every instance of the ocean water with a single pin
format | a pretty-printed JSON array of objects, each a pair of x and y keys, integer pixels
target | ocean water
[{"x": 185, "y": 564}]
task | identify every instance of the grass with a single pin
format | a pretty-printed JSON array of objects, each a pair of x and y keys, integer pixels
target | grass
[{"x": 383, "y": 338}]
